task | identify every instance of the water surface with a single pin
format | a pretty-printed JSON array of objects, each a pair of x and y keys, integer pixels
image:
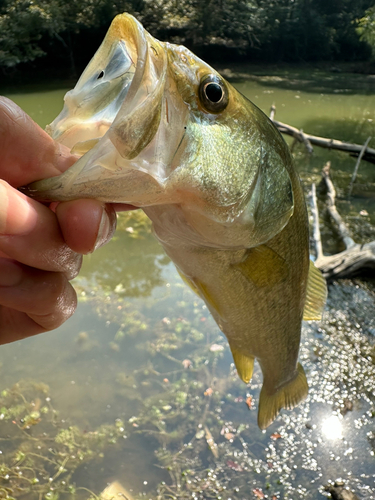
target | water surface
[{"x": 143, "y": 357}]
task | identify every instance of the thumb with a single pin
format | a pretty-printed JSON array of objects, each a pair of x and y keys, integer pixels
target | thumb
[{"x": 28, "y": 153}]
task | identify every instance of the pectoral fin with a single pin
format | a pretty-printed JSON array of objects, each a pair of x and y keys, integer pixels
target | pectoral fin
[
  {"x": 263, "y": 266},
  {"x": 287, "y": 396},
  {"x": 188, "y": 282},
  {"x": 244, "y": 365},
  {"x": 202, "y": 291},
  {"x": 316, "y": 294}
]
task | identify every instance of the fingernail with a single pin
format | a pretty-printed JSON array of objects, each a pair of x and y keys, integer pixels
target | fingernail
[
  {"x": 103, "y": 231},
  {"x": 11, "y": 274}
]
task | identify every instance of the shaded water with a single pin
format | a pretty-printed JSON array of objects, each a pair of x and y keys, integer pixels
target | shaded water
[{"x": 142, "y": 356}]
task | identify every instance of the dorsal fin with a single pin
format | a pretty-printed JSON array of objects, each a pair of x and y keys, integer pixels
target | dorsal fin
[
  {"x": 316, "y": 294},
  {"x": 244, "y": 365}
]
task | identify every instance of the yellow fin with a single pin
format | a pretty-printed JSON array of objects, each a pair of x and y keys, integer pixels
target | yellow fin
[
  {"x": 316, "y": 294},
  {"x": 200, "y": 289},
  {"x": 263, "y": 266},
  {"x": 188, "y": 282},
  {"x": 207, "y": 296},
  {"x": 287, "y": 396},
  {"x": 244, "y": 365},
  {"x": 82, "y": 147}
]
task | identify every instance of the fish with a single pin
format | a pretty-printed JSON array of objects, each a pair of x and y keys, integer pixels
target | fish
[{"x": 156, "y": 127}]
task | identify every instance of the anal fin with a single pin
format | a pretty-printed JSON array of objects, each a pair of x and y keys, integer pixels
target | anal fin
[
  {"x": 316, "y": 294},
  {"x": 244, "y": 365},
  {"x": 288, "y": 396}
]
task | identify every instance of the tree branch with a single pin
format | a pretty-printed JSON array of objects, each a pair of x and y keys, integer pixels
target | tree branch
[
  {"x": 368, "y": 154},
  {"x": 355, "y": 258}
]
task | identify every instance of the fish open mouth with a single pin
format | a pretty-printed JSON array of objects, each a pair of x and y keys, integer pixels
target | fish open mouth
[
  {"x": 110, "y": 117},
  {"x": 104, "y": 86}
]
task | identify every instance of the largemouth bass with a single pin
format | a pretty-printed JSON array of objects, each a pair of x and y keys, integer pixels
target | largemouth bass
[{"x": 159, "y": 129}]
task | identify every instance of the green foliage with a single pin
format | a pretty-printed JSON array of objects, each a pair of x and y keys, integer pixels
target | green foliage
[
  {"x": 366, "y": 28},
  {"x": 282, "y": 30},
  {"x": 22, "y": 25}
]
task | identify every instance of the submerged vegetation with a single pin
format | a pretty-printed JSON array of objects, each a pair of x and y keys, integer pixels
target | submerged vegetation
[
  {"x": 40, "y": 452},
  {"x": 179, "y": 395},
  {"x": 147, "y": 379}
]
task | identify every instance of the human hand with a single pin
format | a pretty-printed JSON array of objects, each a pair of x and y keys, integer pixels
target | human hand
[{"x": 40, "y": 249}]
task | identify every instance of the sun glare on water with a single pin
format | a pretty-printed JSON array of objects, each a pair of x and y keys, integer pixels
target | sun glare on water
[{"x": 332, "y": 428}]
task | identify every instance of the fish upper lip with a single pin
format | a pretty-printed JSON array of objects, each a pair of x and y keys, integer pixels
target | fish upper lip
[{"x": 88, "y": 112}]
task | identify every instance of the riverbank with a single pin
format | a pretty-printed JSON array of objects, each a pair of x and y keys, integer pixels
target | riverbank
[{"x": 312, "y": 77}]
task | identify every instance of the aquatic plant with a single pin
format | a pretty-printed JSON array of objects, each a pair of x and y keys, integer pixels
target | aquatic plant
[{"x": 40, "y": 453}]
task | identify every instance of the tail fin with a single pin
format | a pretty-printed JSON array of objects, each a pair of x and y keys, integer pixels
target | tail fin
[{"x": 287, "y": 396}]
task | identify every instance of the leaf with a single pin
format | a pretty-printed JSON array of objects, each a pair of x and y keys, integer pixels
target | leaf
[
  {"x": 186, "y": 363},
  {"x": 211, "y": 443},
  {"x": 249, "y": 402},
  {"x": 258, "y": 493},
  {"x": 234, "y": 466},
  {"x": 275, "y": 436}
]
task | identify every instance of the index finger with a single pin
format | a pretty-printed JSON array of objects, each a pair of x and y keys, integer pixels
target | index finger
[{"x": 28, "y": 153}]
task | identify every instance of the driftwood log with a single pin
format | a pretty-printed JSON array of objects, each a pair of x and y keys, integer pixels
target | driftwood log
[
  {"x": 367, "y": 154},
  {"x": 356, "y": 258}
]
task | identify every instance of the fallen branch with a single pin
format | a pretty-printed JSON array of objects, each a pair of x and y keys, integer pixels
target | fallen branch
[
  {"x": 332, "y": 210},
  {"x": 355, "y": 258},
  {"x": 354, "y": 176},
  {"x": 309, "y": 140}
]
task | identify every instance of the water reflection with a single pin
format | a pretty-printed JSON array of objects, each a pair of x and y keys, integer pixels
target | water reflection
[
  {"x": 332, "y": 428},
  {"x": 132, "y": 264}
]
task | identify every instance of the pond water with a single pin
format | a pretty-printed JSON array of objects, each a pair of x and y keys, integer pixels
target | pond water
[{"x": 139, "y": 385}]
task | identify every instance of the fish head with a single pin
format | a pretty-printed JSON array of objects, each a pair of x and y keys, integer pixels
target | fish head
[{"x": 156, "y": 125}]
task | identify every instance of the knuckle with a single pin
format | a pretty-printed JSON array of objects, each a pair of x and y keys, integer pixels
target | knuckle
[{"x": 62, "y": 302}]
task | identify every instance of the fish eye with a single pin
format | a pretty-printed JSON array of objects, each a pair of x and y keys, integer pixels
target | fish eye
[
  {"x": 213, "y": 93},
  {"x": 101, "y": 74}
]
